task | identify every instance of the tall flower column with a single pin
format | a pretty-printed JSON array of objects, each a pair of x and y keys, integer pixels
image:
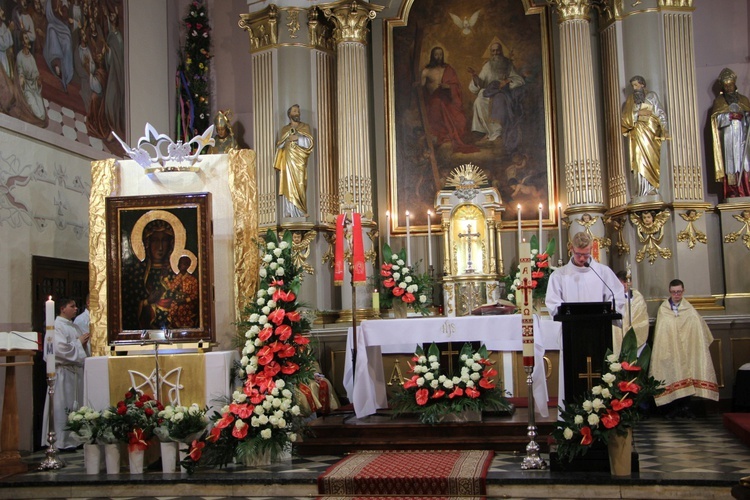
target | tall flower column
[{"x": 583, "y": 170}]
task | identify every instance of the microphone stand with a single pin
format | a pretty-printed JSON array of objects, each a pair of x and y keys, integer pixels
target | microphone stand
[{"x": 614, "y": 305}]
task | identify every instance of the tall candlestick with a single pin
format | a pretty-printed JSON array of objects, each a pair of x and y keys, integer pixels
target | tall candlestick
[
  {"x": 49, "y": 338},
  {"x": 519, "y": 225},
  {"x": 540, "y": 229},
  {"x": 388, "y": 227},
  {"x": 408, "y": 240},
  {"x": 429, "y": 238},
  {"x": 559, "y": 231}
]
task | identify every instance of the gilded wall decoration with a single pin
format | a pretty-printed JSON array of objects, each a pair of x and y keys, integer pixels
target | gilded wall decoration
[
  {"x": 744, "y": 218},
  {"x": 328, "y": 256},
  {"x": 690, "y": 234},
  {"x": 650, "y": 229},
  {"x": 587, "y": 220},
  {"x": 618, "y": 224},
  {"x": 301, "y": 249}
]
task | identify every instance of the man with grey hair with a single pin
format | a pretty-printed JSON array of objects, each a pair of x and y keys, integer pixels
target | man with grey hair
[
  {"x": 730, "y": 121},
  {"x": 645, "y": 123},
  {"x": 583, "y": 279}
]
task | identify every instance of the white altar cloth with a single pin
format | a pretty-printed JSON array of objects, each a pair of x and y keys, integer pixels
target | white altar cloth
[
  {"x": 366, "y": 388},
  {"x": 218, "y": 366}
]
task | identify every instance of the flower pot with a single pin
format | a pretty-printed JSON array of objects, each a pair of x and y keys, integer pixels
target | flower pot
[
  {"x": 182, "y": 454},
  {"x": 620, "y": 450},
  {"x": 136, "y": 461},
  {"x": 112, "y": 458},
  {"x": 92, "y": 458},
  {"x": 464, "y": 416},
  {"x": 264, "y": 458},
  {"x": 169, "y": 456},
  {"x": 399, "y": 308}
]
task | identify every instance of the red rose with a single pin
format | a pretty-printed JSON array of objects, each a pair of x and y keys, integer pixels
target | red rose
[
  {"x": 196, "y": 450},
  {"x": 128, "y": 395},
  {"x": 139, "y": 404},
  {"x": 587, "y": 439},
  {"x": 144, "y": 398},
  {"x": 122, "y": 410},
  {"x": 534, "y": 283},
  {"x": 422, "y": 396},
  {"x": 149, "y": 412},
  {"x": 611, "y": 419}
]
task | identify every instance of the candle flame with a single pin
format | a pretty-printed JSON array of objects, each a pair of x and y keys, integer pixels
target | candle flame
[
  {"x": 429, "y": 213},
  {"x": 407, "y": 214},
  {"x": 518, "y": 206},
  {"x": 387, "y": 213},
  {"x": 50, "y": 297},
  {"x": 559, "y": 205},
  {"x": 540, "y": 206}
]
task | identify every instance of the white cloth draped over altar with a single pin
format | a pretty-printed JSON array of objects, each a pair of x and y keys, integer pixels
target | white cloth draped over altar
[{"x": 366, "y": 387}]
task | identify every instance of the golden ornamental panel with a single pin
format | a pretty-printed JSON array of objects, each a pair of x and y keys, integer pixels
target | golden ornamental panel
[
  {"x": 743, "y": 233},
  {"x": 690, "y": 234},
  {"x": 262, "y": 28},
  {"x": 650, "y": 230},
  {"x": 350, "y": 20},
  {"x": 569, "y": 10}
]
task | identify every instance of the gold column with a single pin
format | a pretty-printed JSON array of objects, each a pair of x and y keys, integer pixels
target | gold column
[
  {"x": 583, "y": 176},
  {"x": 350, "y": 19},
  {"x": 681, "y": 101},
  {"x": 262, "y": 30}
]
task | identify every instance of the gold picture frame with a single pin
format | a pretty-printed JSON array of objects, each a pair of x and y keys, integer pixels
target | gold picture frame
[
  {"x": 160, "y": 267},
  {"x": 425, "y": 139}
]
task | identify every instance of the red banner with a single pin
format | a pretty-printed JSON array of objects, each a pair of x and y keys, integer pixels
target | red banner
[
  {"x": 338, "y": 267},
  {"x": 358, "y": 251}
]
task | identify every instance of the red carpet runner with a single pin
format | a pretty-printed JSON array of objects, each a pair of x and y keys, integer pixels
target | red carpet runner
[{"x": 415, "y": 473}]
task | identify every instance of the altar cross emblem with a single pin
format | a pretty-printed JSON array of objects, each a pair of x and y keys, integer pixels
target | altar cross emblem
[
  {"x": 589, "y": 375},
  {"x": 468, "y": 235},
  {"x": 527, "y": 289}
]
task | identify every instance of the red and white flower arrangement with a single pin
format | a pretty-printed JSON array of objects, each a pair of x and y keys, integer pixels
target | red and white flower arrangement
[
  {"x": 400, "y": 283},
  {"x": 432, "y": 394},
  {"x": 263, "y": 417}
]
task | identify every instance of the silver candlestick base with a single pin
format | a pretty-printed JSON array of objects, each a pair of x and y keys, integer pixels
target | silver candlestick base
[
  {"x": 532, "y": 460},
  {"x": 51, "y": 461}
]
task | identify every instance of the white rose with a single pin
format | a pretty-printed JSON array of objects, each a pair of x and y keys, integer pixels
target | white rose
[
  {"x": 280, "y": 384},
  {"x": 420, "y": 381},
  {"x": 261, "y": 293},
  {"x": 402, "y": 285},
  {"x": 422, "y": 360},
  {"x": 258, "y": 410},
  {"x": 609, "y": 378},
  {"x": 262, "y": 272},
  {"x": 263, "y": 320},
  {"x": 587, "y": 406},
  {"x": 606, "y": 394},
  {"x": 267, "y": 258},
  {"x": 434, "y": 366},
  {"x": 396, "y": 276},
  {"x": 263, "y": 419},
  {"x": 408, "y": 279},
  {"x": 534, "y": 251},
  {"x": 434, "y": 384},
  {"x": 598, "y": 404},
  {"x": 280, "y": 271},
  {"x": 270, "y": 245},
  {"x": 244, "y": 360},
  {"x": 294, "y": 410},
  {"x": 241, "y": 398},
  {"x": 448, "y": 384},
  {"x": 442, "y": 378},
  {"x": 429, "y": 376},
  {"x": 273, "y": 266},
  {"x": 286, "y": 392},
  {"x": 265, "y": 433},
  {"x": 271, "y": 290},
  {"x": 475, "y": 376},
  {"x": 271, "y": 303},
  {"x": 292, "y": 437},
  {"x": 239, "y": 424},
  {"x": 266, "y": 310},
  {"x": 400, "y": 262},
  {"x": 422, "y": 299},
  {"x": 281, "y": 423},
  {"x": 511, "y": 297},
  {"x": 593, "y": 419},
  {"x": 253, "y": 318},
  {"x": 615, "y": 367},
  {"x": 578, "y": 420},
  {"x": 277, "y": 252},
  {"x": 568, "y": 433},
  {"x": 476, "y": 367},
  {"x": 432, "y": 359},
  {"x": 178, "y": 416},
  {"x": 412, "y": 288},
  {"x": 283, "y": 245},
  {"x": 612, "y": 358}
]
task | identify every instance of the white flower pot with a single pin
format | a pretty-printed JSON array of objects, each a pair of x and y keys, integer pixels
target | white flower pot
[
  {"x": 112, "y": 458},
  {"x": 92, "y": 458},
  {"x": 136, "y": 461},
  {"x": 169, "y": 456},
  {"x": 182, "y": 455}
]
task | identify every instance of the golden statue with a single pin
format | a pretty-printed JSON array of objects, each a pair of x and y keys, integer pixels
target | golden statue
[
  {"x": 224, "y": 138},
  {"x": 292, "y": 151},
  {"x": 645, "y": 122}
]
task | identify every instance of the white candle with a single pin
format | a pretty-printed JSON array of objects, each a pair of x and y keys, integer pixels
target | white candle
[
  {"x": 388, "y": 227},
  {"x": 429, "y": 238},
  {"x": 525, "y": 292},
  {"x": 408, "y": 240},
  {"x": 540, "y": 229},
  {"x": 559, "y": 231},
  {"x": 49, "y": 337},
  {"x": 519, "y": 226}
]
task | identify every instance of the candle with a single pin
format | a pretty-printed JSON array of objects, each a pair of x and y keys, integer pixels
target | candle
[
  {"x": 408, "y": 240},
  {"x": 540, "y": 228},
  {"x": 49, "y": 338},
  {"x": 429, "y": 238},
  {"x": 376, "y": 300},
  {"x": 388, "y": 227},
  {"x": 559, "y": 231},
  {"x": 519, "y": 226},
  {"x": 525, "y": 293}
]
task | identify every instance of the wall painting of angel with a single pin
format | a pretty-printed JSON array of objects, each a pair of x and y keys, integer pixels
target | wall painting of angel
[{"x": 470, "y": 81}]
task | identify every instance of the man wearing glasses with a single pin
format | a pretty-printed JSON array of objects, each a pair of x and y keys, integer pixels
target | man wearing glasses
[
  {"x": 680, "y": 357},
  {"x": 583, "y": 280}
]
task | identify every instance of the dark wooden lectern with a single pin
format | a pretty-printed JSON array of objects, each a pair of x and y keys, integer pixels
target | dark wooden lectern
[{"x": 586, "y": 336}]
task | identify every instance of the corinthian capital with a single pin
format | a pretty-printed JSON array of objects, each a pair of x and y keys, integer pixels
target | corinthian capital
[
  {"x": 350, "y": 19},
  {"x": 569, "y": 10}
]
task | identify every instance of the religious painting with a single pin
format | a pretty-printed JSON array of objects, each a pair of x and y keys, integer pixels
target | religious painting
[
  {"x": 470, "y": 81},
  {"x": 159, "y": 267},
  {"x": 63, "y": 65}
]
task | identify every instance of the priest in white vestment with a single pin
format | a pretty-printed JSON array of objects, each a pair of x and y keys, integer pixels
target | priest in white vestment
[
  {"x": 70, "y": 354},
  {"x": 680, "y": 357},
  {"x": 583, "y": 279},
  {"x": 635, "y": 316}
]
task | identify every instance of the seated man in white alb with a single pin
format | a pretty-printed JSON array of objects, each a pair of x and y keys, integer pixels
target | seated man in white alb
[
  {"x": 680, "y": 357},
  {"x": 583, "y": 279},
  {"x": 635, "y": 316}
]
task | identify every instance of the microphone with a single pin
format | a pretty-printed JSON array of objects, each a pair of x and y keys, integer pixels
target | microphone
[{"x": 588, "y": 265}]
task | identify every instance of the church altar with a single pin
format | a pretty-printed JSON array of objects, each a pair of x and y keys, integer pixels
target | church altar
[
  {"x": 366, "y": 386},
  {"x": 216, "y": 372}
]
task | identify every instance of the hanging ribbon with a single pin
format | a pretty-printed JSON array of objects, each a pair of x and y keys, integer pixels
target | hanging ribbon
[
  {"x": 358, "y": 251},
  {"x": 338, "y": 267}
]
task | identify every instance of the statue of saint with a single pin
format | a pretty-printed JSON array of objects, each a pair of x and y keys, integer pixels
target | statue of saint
[
  {"x": 292, "y": 151},
  {"x": 730, "y": 120},
  {"x": 224, "y": 138},
  {"x": 645, "y": 123}
]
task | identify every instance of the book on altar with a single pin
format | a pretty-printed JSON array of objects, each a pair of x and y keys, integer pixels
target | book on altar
[{"x": 19, "y": 340}]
